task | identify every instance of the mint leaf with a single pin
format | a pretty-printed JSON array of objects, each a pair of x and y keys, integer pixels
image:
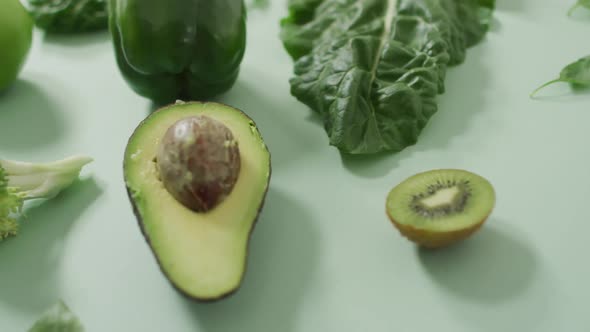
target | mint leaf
[
  {"x": 577, "y": 74},
  {"x": 69, "y": 16}
]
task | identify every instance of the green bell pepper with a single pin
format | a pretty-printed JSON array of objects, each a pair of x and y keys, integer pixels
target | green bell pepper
[{"x": 178, "y": 49}]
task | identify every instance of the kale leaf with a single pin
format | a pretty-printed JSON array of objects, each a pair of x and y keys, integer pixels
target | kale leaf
[
  {"x": 69, "y": 16},
  {"x": 579, "y": 4},
  {"x": 373, "y": 68}
]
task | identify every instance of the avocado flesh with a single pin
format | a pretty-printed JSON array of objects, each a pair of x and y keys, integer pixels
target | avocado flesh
[{"x": 202, "y": 254}]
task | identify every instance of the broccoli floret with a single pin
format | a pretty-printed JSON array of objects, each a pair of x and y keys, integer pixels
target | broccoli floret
[{"x": 21, "y": 181}]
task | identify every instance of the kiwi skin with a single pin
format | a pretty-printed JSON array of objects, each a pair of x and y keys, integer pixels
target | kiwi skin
[{"x": 435, "y": 240}]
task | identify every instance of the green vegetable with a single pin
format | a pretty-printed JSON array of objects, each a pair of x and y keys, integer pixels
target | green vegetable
[
  {"x": 373, "y": 68},
  {"x": 69, "y": 16},
  {"x": 579, "y": 4},
  {"x": 21, "y": 181},
  {"x": 58, "y": 318},
  {"x": 178, "y": 49},
  {"x": 577, "y": 74},
  {"x": 259, "y": 4},
  {"x": 16, "y": 36},
  {"x": 198, "y": 201}
]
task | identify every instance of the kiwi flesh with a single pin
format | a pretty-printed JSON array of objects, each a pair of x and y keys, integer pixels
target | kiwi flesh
[{"x": 439, "y": 207}]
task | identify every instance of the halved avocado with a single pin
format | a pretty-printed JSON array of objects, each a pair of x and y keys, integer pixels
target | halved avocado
[{"x": 202, "y": 252}]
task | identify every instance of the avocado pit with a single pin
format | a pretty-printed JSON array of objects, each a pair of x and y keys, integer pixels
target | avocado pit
[{"x": 198, "y": 160}]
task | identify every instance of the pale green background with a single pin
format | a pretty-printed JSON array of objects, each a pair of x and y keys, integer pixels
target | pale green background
[{"x": 323, "y": 256}]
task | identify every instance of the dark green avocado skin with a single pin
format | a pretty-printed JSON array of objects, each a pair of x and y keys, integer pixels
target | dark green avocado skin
[
  {"x": 147, "y": 239},
  {"x": 178, "y": 49}
]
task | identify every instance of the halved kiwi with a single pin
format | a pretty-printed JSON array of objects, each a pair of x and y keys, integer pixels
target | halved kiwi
[{"x": 440, "y": 207}]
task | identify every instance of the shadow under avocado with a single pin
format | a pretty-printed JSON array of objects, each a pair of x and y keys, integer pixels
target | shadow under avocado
[
  {"x": 490, "y": 267},
  {"x": 28, "y": 118},
  {"x": 282, "y": 259},
  {"x": 31, "y": 259}
]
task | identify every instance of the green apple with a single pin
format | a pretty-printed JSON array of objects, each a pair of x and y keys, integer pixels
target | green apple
[{"x": 16, "y": 35}]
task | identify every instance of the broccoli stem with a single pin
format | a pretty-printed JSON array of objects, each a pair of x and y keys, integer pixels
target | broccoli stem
[{"x": 43, "y": 180}]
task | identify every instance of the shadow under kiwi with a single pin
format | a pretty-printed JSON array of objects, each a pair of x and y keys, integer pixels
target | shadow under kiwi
[
  {"x": 31, "y": 259},
  {"x": 492, "y": 266},
  {"x": 282, "y": 259}
]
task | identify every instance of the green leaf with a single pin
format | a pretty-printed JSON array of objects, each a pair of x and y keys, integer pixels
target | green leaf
[
  {"x": 259, "y": 4},
  {"x": 69, "y": 16},
  {"x": 372, "y": 69},
  {"x": 58, "y": 318},
  {"x": 8, "y": 227},
  {"x": 577, "y": 74},
  {"x": 10, "y": 202},
  {"x": 579, "y": 4}
]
